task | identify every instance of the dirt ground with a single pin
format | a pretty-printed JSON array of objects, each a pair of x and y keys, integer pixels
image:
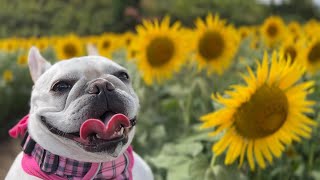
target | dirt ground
[{"x": 8, "y": 151}]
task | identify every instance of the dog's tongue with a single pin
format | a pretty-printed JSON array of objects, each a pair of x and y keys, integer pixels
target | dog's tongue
[{"x": 96, "y": 126}]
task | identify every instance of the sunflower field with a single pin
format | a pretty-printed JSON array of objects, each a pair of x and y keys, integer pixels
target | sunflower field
[{"x": 218, "y": 101}]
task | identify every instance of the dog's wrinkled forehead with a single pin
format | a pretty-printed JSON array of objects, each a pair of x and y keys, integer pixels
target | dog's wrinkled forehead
[{"x": 90, "y": 67}]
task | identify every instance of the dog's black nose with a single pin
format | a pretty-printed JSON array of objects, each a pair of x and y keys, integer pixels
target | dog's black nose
[{"x": 100, "y": 85}]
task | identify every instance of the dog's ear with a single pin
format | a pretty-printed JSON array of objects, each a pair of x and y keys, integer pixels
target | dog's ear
[
  {"x": 92, "y": 50},
  {"x": 37, "y": 64}
]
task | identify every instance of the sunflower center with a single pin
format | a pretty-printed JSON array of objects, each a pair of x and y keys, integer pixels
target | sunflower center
[
  {"x": 272, "y": 30},
  {"x": 290, "y": 51},
  {"x": 263, "y": 114},
  {"x": 211, "y": 45},
  {"x": 314, "y": 54},
  {"x": 128, "y": 41},
  {"x": 160, "y": 51},
  {"x": 106, "y": 44},
  {"x": 69, "y": 50}
]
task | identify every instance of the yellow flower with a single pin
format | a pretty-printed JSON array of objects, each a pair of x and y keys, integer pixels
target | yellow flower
[
  {"x": 295, "y": 28},
  {"x": 292, "y": 47},
  {"x": 7, "y": 76},
  {"x": 259, "y": 119},
  {"x": 127, "y": 39},
  {"x": 273, "y": 30},
  {"x": 10, "y": 45},
  {"x": 244, "y": 32},
  {"x": 312, "y": 28},
  {"x": 107, "y": 44},
  {"x": 22, "y": 59},
  {"x": 159, "y": 50},
  {"x": 68, "y": 47},
  {"x": 215, "y": 44},
  {"x": 131, "y": 52},
  {"x": 311, "y": 55},
  {"x": 93, "y": 40},
  {"x": 42, "y": 43}
]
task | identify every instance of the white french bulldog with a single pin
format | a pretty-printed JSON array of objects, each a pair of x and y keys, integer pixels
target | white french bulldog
[{"x": 81, "y": 109}]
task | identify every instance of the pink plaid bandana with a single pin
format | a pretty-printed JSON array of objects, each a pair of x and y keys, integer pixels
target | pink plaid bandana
[{"x": 51, "y": 164}]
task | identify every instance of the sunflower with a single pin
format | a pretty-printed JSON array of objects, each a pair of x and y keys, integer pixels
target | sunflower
[
  {"x": 131, "y": 48},
  {"x": 244, "y": 32},
  {"x": 107, "y": 44},
  {"x": 93, "y": 40},
  {"x": 22, "y": 60},
  {"x": 25, "y": 44},
  {"x": 312, "y": 28},
  {"x": 215, "y": 44},
  {"x": 10, "y": 45},
  {"x": 7, "y": 76},
  {"x": 69, "y": 47},
  {"x": 259, "y": 119},
  {"x": 272, "y": 30},
  {"x": 291, "y": 47},
  {"x": 159, "y": 49},
  {"x": 311, "y": 55},
  {"x": 126, "y": 39},
  {"x": 295, "y": 28},
  {"x": 42, "y": 43},
  {"x": 131, "y": 51}
]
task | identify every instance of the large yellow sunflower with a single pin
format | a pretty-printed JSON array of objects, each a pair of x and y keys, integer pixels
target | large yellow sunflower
[
  {"x": 262, "y": 117},
  {"x": 311, "y": 55},
  {"x": 68, "y": 47},
  {"x": 215, "y": 44},
  {"x": 160, "y": 50},
  {"x": 273, "y": 30}
]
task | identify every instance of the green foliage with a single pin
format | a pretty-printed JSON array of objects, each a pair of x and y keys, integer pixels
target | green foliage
[
  {"x": 238, "y": 12},
  {"x": 15, "y": 94},
  {"x": 55, "y": 17}
]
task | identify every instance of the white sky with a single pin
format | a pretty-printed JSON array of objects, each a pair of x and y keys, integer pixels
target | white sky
[{"x": 317, "y": 2}]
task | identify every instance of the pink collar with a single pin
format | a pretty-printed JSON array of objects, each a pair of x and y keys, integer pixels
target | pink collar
[{"x": 43, "y": 164}]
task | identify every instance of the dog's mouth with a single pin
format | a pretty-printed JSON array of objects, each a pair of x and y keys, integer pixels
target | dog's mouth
[{"x": 99, "y": 134}]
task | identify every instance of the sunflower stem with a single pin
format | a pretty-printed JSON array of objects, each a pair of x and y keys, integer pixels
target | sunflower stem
[
  {"x": 213, "y": 161},
  {"x": 311, "y": 157},
  {"x": 190, "y": 99},
  {"x": 258, "y": 177}
]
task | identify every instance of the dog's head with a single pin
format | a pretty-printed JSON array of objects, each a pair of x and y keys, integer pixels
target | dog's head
[{"x": 82, "y": 108}]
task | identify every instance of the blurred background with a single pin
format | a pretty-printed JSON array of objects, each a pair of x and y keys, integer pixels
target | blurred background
[
  {"x": 43, "y": 18},
  {"x": 169, "y": 141}
]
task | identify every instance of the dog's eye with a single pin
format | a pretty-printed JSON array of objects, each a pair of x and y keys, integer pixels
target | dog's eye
[
  {"x": 123, "y": 75},
  {"x": 61, "y": 86}
]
